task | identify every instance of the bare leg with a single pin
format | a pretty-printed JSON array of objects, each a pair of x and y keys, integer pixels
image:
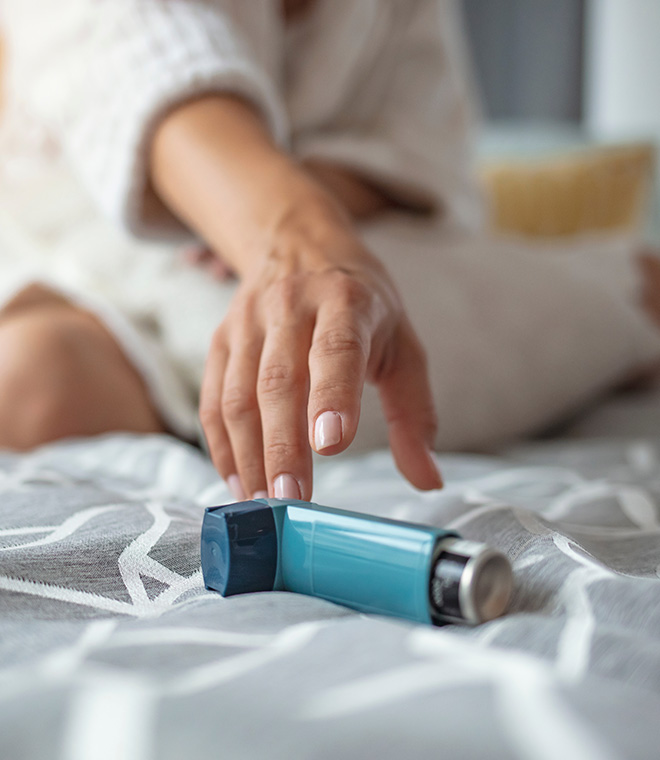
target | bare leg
[{"x": 63, "y": 374}]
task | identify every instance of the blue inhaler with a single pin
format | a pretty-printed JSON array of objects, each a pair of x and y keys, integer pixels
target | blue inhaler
[{"x": 371, "y": 564}]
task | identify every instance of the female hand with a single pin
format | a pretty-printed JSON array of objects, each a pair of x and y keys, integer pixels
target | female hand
[{"x": 316, "y": 317}]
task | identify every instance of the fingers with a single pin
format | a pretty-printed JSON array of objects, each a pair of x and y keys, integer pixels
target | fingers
[
  {"x": 286, "y": 376},
  {"x": 338, "y": 359},
  {"x": 240, "y": 411},
  {"x": 282, "y": 389},
  {"x": 253, "y": 403},
  {"x": 407, "y": 401},
  {"x": 210, "y": 412}
]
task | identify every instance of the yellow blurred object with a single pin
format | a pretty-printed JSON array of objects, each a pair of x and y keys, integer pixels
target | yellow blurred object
[{"x": 606, "y": 188}]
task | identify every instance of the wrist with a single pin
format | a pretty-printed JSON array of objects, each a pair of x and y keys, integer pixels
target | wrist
[
  {"x": 215, "y": 166},
  {"x": 310, "y": 231}
]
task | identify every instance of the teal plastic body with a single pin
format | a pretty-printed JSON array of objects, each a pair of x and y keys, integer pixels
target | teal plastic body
[{"x": 371, "y": 564}]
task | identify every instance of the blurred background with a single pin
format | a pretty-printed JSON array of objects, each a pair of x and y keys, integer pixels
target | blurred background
[{"x": 563, "y": 75}]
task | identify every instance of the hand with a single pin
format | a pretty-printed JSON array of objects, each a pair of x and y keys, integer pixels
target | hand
[
  {"x": 315, "y": 314},
  {"x": 316, "y": 318}
]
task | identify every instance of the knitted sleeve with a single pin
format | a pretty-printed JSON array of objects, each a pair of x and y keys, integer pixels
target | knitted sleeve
[
  {"x": 102, "y": 73},
  {"x": 408, "y": 121}
]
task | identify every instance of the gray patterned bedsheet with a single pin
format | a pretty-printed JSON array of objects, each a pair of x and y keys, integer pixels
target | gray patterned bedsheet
[{"x": 111, "y": 648}]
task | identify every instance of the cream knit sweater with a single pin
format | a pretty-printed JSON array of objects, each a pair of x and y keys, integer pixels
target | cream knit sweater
[{"x": 376, "y": 84}]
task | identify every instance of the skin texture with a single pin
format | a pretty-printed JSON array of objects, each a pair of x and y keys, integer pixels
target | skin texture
[
  {"x": 62, "y": 374},
  {"x": 315, "y": 314},
  {"x": 360, "y": 200}
]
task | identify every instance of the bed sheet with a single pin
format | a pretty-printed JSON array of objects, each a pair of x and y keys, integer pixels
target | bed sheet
[{"x": 110, "y": 647}]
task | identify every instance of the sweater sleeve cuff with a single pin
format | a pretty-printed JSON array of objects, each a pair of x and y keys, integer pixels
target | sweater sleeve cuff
[
  {"x": 137, "y": 208},
  {"x": 157, "y": 60}
]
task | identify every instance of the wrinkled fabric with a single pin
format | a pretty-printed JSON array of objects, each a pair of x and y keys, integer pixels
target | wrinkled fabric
[{"x": 111, "y": 647}]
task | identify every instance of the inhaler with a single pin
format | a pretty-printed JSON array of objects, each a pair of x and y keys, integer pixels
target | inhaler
[{"x": 371, "y": 564}]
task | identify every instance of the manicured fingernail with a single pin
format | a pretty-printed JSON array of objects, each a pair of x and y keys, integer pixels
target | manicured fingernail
[
  {"x": 441, "y": 482},
  {"x": 327, "y": 430},
  {"x": 260, "y": 495},
  {"x": 286, "y": 487},
  {"x": 234, "y": 483}
]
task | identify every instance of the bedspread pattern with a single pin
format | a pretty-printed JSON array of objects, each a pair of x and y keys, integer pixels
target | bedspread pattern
[{"x": 111, "y": 648}]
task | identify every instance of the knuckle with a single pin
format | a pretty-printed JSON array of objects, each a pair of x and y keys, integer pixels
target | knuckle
[
  {"x": 353, "y": 294},
  {"x": 209, "y": 414},
  {"x": 339, "y": 340},
  {"x": 238, "y": 403},
  {"x": 279, "y": 379},
  {"x": 284, "y": 296}
]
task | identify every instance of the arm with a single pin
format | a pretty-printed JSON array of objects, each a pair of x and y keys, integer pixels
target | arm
[
  {"x": 101, "y": 74},
  {"x": 315, "y": 314},
  {"x": 208, "y": 181},
  {"x": 314, "y": 317}
]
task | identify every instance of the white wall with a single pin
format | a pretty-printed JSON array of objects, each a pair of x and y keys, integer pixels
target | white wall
[
  {"x": 622, "y": 77},
  {"x": 622, "y": 89}
]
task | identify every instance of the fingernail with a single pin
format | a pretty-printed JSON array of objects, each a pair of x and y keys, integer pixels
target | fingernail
[
  {"x": 441, "y": 482},
  {"x": 327, "y": 430},
  {"x": 260, "y": 495},
  {"x": 234, "y": 483},
  {"x": 286, "y": 487}
]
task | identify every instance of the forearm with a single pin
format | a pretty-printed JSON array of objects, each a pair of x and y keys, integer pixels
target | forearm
[
  {"x": 214, "y": 165},
  {"x": 314, "y": 317}
]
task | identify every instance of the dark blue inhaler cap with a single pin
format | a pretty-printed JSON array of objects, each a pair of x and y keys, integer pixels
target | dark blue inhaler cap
[{"x": 239, "y": 548}]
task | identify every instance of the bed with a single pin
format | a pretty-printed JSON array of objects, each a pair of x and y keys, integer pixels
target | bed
[{"x": 110, "y": 647}]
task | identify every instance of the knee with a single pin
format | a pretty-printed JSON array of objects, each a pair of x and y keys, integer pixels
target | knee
[
  {"x": 38, "y": 380},
  {"x": 58, "y": 379}
]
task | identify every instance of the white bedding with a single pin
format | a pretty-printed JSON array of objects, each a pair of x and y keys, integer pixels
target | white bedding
[{"x": 110, "y": 647}]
